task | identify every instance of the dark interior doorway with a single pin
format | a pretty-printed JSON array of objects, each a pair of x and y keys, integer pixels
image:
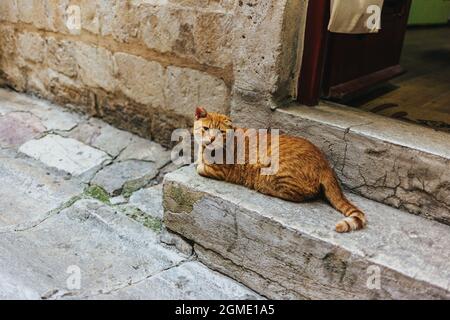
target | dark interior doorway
[{"x": 401, "y": 72}]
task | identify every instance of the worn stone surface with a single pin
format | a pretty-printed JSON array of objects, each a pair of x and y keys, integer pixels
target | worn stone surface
[
  {"x": 61, "y": 56},
  {"x": 55, "y": 230},
  {"x": 18, "y": 127},
  {"x": 188, "y": 89},
  {"x": 125, "y": 176},
  {"x": 55, "y": 119},
  {"x": 289, "y": 250},
  {"x": 127, "y": 61},
  {"x": 52, "y": 117},
  {"x": 400, "y": 164},
  {"x": 103, "y": 136},
  {"x": 202, "y": 35},
  {"x": 177, "y": 241},
  {"x": 141, "y": 80},
  {"x": 65, "y": 154},
  {"x": 110, "y": 250},
  {"x": 8, "y": 11},
  {"x": 31, "y": 47},
  {"x": 146, "y": 150},
  {"x": 28, "y": 191},
  {"x": 96, "y": 66},
  {"x": 267, "y": 55},
  {"x": 189, "y": 281},
  {"x": 149, "y": 200}
]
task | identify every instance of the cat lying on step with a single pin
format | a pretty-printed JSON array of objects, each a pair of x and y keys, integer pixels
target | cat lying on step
[{"x": 302, "y": 171}]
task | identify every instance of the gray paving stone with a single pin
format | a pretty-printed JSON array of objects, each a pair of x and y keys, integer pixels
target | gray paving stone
[
  {"x": 10, "y": 101},
  {"x": 126, "y": 176},
  {"x": 107, "y": 249},
  {"x": 17, "y": 128},
  {"x": 28, "y": 191},
  {"x": 142, "y": 149},
  {"x": 51, "y": 116},
  {"x": 189, "y": 281},
  {"x": 101, "y": 135},
  {"x": 65, "y": 154},
  {"x": 148, "y": 200},
  {"x": 118, "y": 200}
]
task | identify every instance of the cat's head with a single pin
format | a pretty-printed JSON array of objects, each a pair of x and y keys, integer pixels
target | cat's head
[{"x": 209, "y": 124}]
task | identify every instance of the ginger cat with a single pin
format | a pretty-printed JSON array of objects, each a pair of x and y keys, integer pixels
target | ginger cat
[{"x": 303, "y": 171}]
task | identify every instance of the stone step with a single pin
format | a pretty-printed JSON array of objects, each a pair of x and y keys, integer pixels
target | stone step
[
  {"x": 289, "y": 250},
  {"x": 92, "y": 251}
]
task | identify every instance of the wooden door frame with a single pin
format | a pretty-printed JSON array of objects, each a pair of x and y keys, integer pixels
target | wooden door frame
[
  {"x": 315, "y": 57},
  {"x": 314, "y": 54}
]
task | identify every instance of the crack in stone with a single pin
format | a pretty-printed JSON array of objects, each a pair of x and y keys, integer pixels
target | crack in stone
[
  {"x": 21, "y": 227},
  {"x": 131, "y": 283},
  {"x": 244, "y": 269}
]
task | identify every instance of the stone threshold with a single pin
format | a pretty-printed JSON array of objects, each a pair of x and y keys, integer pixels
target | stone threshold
[
  {"x": 287, "y": 250},
  {"x": 404, "y": 165}
]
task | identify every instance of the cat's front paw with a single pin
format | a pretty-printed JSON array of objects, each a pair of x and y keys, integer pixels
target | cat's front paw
[{"x": 201, "y": 169}]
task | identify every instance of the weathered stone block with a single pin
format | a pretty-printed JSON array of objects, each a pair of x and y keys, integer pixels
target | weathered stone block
[
  {"x": 187, "y": 89},
  {"x": 141, "y": 80},
  {"x": 119, "y": 19},
  {"x": 17, "y": 128},
  {"x": 190, "y": 281},
  {"x": 61, "y": 56},
  {"x": 96, "y": 66},
  {"x": 65, "y": 154},
  {"x": 7, "y": 42},
  {"x": 67, "y": 91},
  {"x": 162, "y": 27},
  {"x": 90, "y": 17},
  {"x": 290, "y": 250},
  {"x": 39, "y": 13},
  {"x": 216, "y": 5},
  {"x": 31, "y": 46},
  {"x": 149, "y": 201},
  {"x": 112, "y": 252},
  {"x": 8, "y": 11},
  {"x": 28, "y": 191},
  {"x": 101, "y": 135},
  {"x": 379, "y": 158},
  {"x": 127, "y": 176},
  {"x": 146, "y": 150},
  {"x": 213, "y": 36},
  {"x": 201, "y": 35}
]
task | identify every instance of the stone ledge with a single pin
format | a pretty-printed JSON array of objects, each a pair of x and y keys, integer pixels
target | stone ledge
[
  {"x": 400, "y": 164},
  {"x": 289, "y": 250}
]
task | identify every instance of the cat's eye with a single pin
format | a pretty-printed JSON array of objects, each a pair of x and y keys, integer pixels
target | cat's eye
[{"x": 206, "y": 128}]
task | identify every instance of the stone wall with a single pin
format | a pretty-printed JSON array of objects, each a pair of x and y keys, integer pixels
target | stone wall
[{"x": 143, "y": 65}]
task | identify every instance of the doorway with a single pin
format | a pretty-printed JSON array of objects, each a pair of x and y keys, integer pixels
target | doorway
[{"x": 401, "y": 72}]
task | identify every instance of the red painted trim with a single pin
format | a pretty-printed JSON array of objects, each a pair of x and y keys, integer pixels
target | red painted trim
[{"x": 309, "y": 85}]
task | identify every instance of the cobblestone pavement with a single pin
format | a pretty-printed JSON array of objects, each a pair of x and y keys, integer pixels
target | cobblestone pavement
[{"x": 81, "y": 210}]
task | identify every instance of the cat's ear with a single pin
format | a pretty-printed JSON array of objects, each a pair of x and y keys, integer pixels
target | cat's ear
[{"x": 200, "y": 113}]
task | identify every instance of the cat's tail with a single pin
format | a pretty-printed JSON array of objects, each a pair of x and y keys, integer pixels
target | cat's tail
[{"x": 355, "y": 218}]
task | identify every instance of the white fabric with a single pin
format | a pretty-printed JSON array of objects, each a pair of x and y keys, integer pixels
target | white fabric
[{"x": 354, "y": 16}]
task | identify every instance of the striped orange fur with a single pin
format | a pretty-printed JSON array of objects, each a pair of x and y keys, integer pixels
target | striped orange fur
[{"x": 303, "y": 174}]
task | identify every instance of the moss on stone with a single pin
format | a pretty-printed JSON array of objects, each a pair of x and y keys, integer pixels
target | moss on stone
[
  {"x": 98, "y": 193},
  {"x": 179, "y": 199},
  {"x": 146, "y": 220}
]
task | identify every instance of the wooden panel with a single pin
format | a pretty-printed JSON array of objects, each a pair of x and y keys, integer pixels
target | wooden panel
[
  {"x": 314, "y": 52},
  {"x": 356, "y": 62}
]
